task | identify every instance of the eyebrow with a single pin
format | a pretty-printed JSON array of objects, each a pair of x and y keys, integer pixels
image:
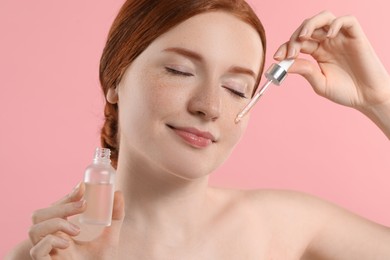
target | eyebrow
[
  {"x": 198, "y": 57},
  {"x": 241, "y": 70},
  {"x": 186, "y": 53}
]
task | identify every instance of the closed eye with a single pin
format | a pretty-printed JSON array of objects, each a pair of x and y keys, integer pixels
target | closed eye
[
  {"x": 235, "y": 92},
  {"x": 178, "y": 72}
]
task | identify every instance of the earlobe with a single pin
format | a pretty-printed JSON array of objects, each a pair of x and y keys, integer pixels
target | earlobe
[{"x": 112, "y": 95}]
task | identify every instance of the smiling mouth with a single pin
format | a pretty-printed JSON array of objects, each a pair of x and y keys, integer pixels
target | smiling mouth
[{"x": 194, "y": 137}]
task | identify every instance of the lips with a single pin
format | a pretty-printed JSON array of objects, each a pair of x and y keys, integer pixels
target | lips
[{"x": 194, "y": 137}]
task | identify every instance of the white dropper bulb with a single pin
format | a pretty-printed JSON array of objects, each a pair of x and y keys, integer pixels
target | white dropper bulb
[
  {"x": 275, "y": 74},
  {"x": 286, "y": 64}
]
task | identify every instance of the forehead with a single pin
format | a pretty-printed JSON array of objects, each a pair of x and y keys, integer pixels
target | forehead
[{"x": 218, "y": 36}]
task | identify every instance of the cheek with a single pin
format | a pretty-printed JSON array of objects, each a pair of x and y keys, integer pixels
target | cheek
[
  {"x": 231, "y": 135},
  {"x": 164, "y": 97},
  {"x": 152, "y": 94},
  {"x": 236, "y": 131},
  {"x": 233, "y": 132}
]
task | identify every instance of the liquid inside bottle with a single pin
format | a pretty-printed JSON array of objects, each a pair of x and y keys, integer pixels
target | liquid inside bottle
[{"x": 99, "y": 179}]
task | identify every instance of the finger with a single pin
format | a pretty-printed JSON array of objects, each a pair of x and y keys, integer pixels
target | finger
[
  {"x": 306, "y": 47},
  {"x": 75, "y": 195},
  {"x": 319, "y": 35},
  {"x": 281, "y": 52},
  {"x": 321, "y": 20},
  {"x": 305, "y": 32},
  {"x": 311, "y": 73},
  {"x": 288, "y": 50},
  {"x": 58, "y": 211},
  {"x": 39, "y": 231},
  {"x": 118, "y": 213},
  {"x": 348, "y": 24},
  {"x": 42, "y": 250}
]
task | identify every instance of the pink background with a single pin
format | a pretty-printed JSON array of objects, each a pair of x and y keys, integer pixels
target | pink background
[{"x": 51, "y": 112}]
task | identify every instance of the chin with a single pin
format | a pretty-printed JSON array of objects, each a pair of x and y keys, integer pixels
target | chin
[
  {"x": 188, "y": 171},
  {"x": 189, "y": 163}
]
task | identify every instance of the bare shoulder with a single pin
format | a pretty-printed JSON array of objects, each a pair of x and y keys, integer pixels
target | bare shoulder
[
  {"x": 20, "y": 252},
  {"x": 281, "y": 222},
  {"x": 270, "y": 202},
  {"x": 289, "y": 202},
  {"x": 277, "y": 209},
  {"x": 290, "y": 214},
  {"x": 308, "y": 225},
  {"x": 320, "y": 223}
]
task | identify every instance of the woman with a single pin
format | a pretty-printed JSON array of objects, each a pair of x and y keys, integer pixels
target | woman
[{"x": 175, "y": 77}]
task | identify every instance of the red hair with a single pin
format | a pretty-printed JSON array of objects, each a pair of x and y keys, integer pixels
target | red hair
[{"x": 138, "y": 24}]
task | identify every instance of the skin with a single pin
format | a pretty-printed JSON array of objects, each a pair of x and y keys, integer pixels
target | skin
[{"x": 165, "y": 208}]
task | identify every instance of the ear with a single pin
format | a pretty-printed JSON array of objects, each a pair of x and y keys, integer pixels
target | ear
[{"x": 112, "y": 95}]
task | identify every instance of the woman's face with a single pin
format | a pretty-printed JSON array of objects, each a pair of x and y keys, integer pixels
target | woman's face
[{"x": 178, "y": 100}]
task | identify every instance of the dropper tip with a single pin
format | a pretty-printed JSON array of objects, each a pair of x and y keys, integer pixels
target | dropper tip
[{"x": 237, "y": 120}]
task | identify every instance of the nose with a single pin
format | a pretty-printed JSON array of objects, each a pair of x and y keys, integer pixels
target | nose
[{"x": 205, "y": 103}]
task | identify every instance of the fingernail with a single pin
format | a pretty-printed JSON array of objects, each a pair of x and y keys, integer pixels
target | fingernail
[
  {"x": 330, "y": 32},
  {"x": 291, "y": 53},
  {"x": 278, "y": 54},
  {"x": 74, "y": 228},
  {"x": 63, "y": 241},
  {"x": 75, "y": 189},
  {"x": 303, "y": 33},
  {"x": 79, "y": 204}
]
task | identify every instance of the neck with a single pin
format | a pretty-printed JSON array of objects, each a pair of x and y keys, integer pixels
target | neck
[{"x": 160, "y": 206}]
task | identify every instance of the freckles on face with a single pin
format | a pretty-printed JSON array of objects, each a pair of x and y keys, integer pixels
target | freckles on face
[
  {"x": 165, "y": 97},
  {"x": 167, "y": 86}
]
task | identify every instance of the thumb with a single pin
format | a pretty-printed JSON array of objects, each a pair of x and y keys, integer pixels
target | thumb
[
  {"x": 312, "y": 73},
  {"x": 118, "y": 213}
]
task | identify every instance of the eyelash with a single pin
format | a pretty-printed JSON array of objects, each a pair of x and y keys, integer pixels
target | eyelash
[
  {"x": 187, "y": 74},
  {"x": 178, "y": 72},
  {"x": 236, "y": 93}
]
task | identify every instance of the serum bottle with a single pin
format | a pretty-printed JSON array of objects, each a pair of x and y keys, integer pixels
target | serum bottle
[{"x": 99, "y": 179}]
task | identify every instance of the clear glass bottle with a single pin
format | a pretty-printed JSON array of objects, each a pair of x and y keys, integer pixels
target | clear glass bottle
[{"x": 99, "y": 179}]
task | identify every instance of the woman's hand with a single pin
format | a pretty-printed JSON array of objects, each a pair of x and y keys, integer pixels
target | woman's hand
[
  {"x": 347, "y": 70},
  {"x": 52, "y": 235}
]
